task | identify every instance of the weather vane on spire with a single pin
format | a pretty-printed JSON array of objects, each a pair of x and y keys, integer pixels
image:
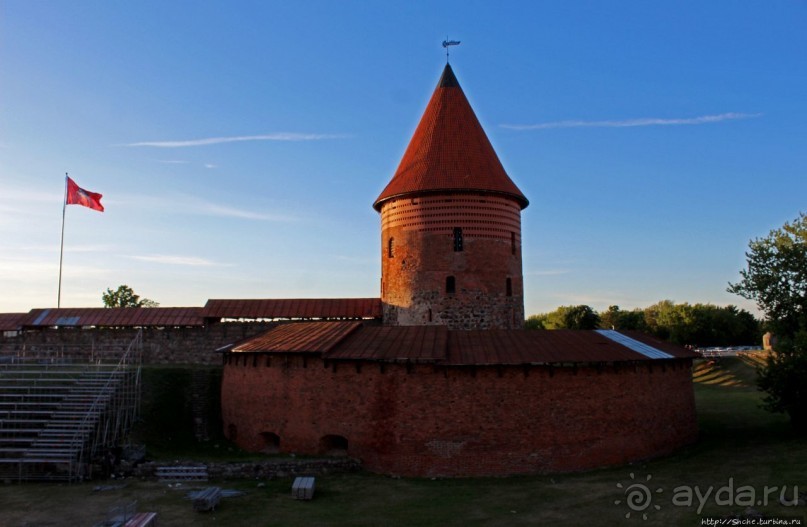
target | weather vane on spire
[{"x": 447, "y": 43}]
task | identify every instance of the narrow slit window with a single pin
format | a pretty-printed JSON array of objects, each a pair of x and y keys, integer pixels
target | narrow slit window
[
  {"x": 391, "y": 248},
  {"x": 451, "y": 285},
  {"x": 513, "y": 243},
  {"x": 509, "y": 287},
  {"x": 457, "y": 239}
]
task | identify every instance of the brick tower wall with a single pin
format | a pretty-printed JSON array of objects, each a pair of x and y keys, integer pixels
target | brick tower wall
[
  {"x": 428, "y": 421},
  {"x": 416, "y": 265}
]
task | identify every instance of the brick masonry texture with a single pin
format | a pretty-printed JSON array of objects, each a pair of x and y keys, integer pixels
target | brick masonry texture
[
  {"x": 422, "y": 420},
  {"x": 190, "y": 345},
  {"x": 415, "y": 266}
]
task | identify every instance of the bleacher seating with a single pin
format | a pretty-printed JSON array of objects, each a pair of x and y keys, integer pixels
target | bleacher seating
[{"x": 55, "y": 416}]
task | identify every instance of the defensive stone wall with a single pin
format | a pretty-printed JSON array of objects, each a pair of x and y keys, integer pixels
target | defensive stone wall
[
  {"x": 422, "y": 420},
  {"x": 184, "y": 345},
  {"x": 269, "y": 469}
]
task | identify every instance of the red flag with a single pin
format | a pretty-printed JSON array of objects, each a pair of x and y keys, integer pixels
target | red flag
[{"x": 78, "y": 196}]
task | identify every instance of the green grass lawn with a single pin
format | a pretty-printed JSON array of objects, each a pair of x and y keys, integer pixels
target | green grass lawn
[{"x": 739, "y": 442}]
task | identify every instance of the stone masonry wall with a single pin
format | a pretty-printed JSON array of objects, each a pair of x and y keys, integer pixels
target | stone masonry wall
[
  {"x": 269, "y": 469},
  {"x": 422, "y": 420},
  {"x": 188, "y": 345}
]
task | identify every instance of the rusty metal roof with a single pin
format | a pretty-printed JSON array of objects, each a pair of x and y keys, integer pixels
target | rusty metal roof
[
  {"x": 395, "y": 343},
  {"x": 437, "y": 344},
  {"x": 449, "y": 151},
  {"x": 534, "y": 347},
  {"x": 11, "y": 321},
  {"x": 294, "y": 308},
  {"x": 300, "y": 337},
  {"x": 115, "y": 317}
]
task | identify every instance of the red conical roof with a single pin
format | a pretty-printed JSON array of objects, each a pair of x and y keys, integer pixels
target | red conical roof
[{"x": 449, "y": 152}]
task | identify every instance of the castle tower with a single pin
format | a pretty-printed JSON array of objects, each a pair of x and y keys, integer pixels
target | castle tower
[{"x": 451, "y": 225}]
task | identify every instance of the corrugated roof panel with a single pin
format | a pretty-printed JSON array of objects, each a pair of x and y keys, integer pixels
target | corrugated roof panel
[
  {"x": 115, "y": 317},
  {"x": 635, "y": 345},
  {"x": 394, "y": 343},
  {"x": 300, "y": 337},
  {"x": 534, "y": 347},
  {"x": 356, "y": 341},
  {"x": 38, "y": 320},
  {"x": 675, "y": 350},
  {"x": 291, "y": 308},
  {"x": 11, "y": 321}
]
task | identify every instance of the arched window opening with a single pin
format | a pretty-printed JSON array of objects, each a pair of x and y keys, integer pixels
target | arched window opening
[
  {"x": 457, "y": 239},
  {"x": 232, "y": 432},
  {"x": 451, "y": 285},
  {"x": 271, "y": 442},
  {"x": 333, "y": 445},
  {"x": 509, "y": 287},
  {"x": 391, "y": 248}
]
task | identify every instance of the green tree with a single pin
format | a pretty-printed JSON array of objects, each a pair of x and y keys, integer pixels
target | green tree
[
  {"x": 567, "y": 317},
  {"x": 124, "y": 296},
  {"x": 776, "y": 278},
  {"x": 535, "y": 322},
  {"x": 723, "y": 326},
  {"x": 616, "y": 318},
  {"x": 782, "y": 379}
]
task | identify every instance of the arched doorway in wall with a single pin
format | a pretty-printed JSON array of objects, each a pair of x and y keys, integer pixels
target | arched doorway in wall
[
  {"x": 333, "y": 445},
  {"x": 271, "y": 443},
  {"x": 232, "y": 432}
]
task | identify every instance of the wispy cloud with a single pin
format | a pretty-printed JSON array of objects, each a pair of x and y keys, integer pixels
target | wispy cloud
[
  {"x": 232, "y": 212},
  {"x": 280, "y": 136},
  {"x": 26, "y": 269},
  {"x": 210, "y": 165},
  {"x": 98, "y": 248},
  {"x": 170, "y": 259},
  {"x": 193, "y": 205},
  {"x": 626, "y": 123}
]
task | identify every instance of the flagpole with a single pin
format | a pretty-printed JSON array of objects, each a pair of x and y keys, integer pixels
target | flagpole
[{"x": 61, "y": 248}]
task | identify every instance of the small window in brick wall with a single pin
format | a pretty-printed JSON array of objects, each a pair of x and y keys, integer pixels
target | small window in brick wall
[
  {"x": 457, "y": 239},
  {"x": 509, "y": 287},
  {"x": 451, "y": 285},
  {"x": 512, "y": 243},
  {"x": 391, "y": 248}
]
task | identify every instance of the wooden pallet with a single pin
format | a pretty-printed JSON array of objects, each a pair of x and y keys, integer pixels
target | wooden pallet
[
  {"x": 303, "y": 488},
  {"x": 182, "y": 473},
  {"x": 207, "y": 499}
]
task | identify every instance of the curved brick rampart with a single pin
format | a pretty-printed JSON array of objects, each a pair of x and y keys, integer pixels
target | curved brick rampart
[{"x": 423, "y": 420}]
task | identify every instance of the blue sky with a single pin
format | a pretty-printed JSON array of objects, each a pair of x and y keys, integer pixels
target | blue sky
[{"x": 239, "y": 145}]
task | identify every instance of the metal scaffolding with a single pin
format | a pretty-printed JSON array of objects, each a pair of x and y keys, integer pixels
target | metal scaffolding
[{"x": 59, "y": 416}]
